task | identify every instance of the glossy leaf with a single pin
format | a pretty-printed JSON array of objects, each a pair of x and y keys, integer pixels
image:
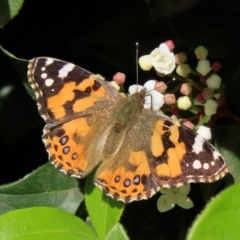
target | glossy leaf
[
  {"x": 104, "y": 212},
  {"x": 43, "y": 223},
  {"x": 8, "y": 10},
  {"x": 220, "y": 219},
  {"x": 230, "y": 148},
  {"x": 44, "y": 187},
  {"x": 117, "y": 233}
]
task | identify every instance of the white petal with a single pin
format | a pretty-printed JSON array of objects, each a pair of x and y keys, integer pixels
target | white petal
[
  {"x": 157, "y": 99},
  {"x": 148, "y": 102},
  {"x": 164, "y": 48},
  {"x": 135, "y": 88},
  {"x": 154, "y": 52},
  {"x": 150, "y": 84},
  {"x": 162, "y": 59}
]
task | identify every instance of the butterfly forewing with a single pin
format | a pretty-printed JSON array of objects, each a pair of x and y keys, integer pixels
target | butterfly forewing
[
  {"x": 180, "y": 156},
  {"x": 65, "y": 91}
]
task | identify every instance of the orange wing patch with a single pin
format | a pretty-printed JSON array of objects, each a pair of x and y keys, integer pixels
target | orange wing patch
[
  {"x": 74, "y": 98},
  {"x": 156, "y": 146},
  {"x": 56, "y": 102},
  {"x": 167, "y": 153},
  {"x": 173, "y": 163},
  {"x": 66, "y": 147},
  {"x": 128, "y": 182}
]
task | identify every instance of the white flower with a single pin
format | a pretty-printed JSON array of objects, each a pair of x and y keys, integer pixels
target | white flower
[
  {"x": 205, "y": 132},
  {"x": 172, "y": 196},
  {"x": 214, "y": 81},
  {"x": 153, "y": 99},
  {"x": 203, "y": 67},
  {"x": 162, "y": 59},
  {"x": 210, "y": 107},
  {"x": 184, "y": 102}
]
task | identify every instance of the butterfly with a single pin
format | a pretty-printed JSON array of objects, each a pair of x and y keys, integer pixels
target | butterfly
[{"x": 137, "y": 151}]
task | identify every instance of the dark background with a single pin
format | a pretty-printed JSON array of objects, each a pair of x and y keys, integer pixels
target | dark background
[{"x": 100, "y": 36}]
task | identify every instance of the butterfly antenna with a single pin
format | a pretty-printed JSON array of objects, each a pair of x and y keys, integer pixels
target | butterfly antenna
[{"x": 137, "y": 47}]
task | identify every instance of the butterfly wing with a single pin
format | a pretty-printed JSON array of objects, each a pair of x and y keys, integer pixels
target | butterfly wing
[
  {"x": 129, "y": 181},
  {"x": 65, "y": 91},
  {"x": 125, "y": 173},
  {"x": 76, "y": 106},
  {"x": 180, "y": 156}
]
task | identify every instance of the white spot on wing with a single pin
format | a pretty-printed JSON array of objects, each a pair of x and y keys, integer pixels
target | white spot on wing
[
  {"x": 212, "y": 163},
  {"x": 43, "y": 68},
  {"x": 43, "y": 75},
  {"x": 63, "y": 72},
  {"x": 49, "y": 82},
  {"x": 198, "y": 144},
  {"x": 206, "y": 166},
  {"x": 216, "y": 155},
  {"x": 62, "y": 170},
  {"x": 74, "y": 175},
  {"x": 197, "y": 164},
  {"x": 49, "y": 61},
  {"x": 37, "y": 95}
]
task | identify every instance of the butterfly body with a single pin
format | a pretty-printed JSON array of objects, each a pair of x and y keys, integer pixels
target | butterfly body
[{"x": 88, "y": 123}]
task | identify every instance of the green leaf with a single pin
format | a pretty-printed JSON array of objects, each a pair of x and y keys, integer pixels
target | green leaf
[
  {"x": 44, "y": 187},
  {"x": 117, "y": 233},
  {"x": 43, "y": 223},
  {"x": 229, "y": 147},
  {"x": 18, "y": 114},
  {"x": 220, "y": 219},
  {"x": 8, "y": 10},
  {"x": 21, "y": 66},
  {"x": 104, "y": 212}
]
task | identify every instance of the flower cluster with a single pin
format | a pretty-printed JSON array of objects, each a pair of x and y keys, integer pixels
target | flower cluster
[{"x": 199, "y": 91}]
